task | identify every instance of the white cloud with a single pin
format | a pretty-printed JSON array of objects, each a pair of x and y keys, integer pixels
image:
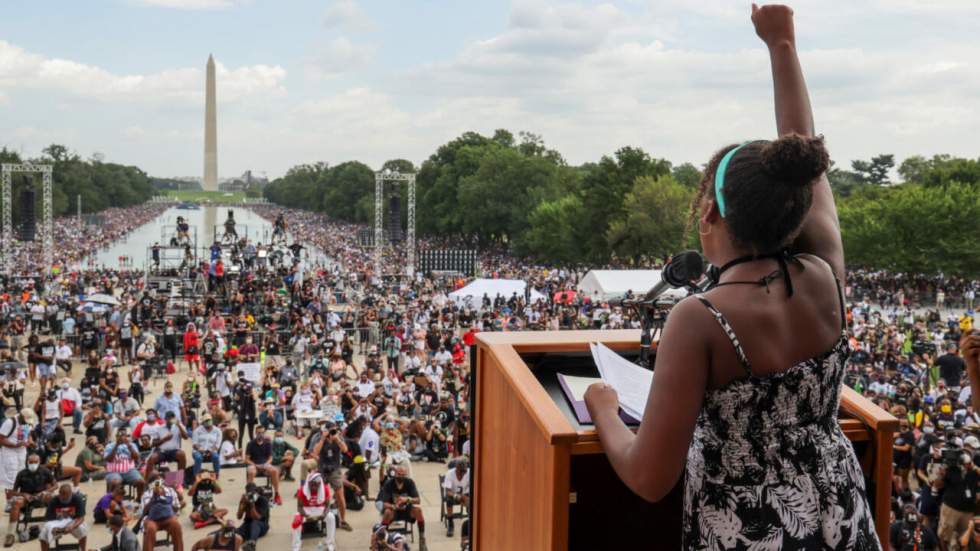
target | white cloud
[
  {"x": 22, "y": 69},
  {"x": 339, "y": 55},
  {"x": 346, "y": 14},
  {"x": 190, "y": 4}
]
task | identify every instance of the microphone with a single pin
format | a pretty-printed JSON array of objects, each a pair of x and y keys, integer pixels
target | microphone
[{"x": 683, "y": 270}]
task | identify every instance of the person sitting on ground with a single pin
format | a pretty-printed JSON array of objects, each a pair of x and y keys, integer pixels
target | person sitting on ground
[
  {"x": 207, "y": 441},
  {"x": 123, "y": 539},
  {"x": 110, "y": 504},
  {"x": 384, "y": 540},
  {"x": 33, "y": 487},
  {"x": 400, "y": 499},
  {"x": 91, "y": 461},
  {"x": 224, "y": 539},
  {"x": 253, "y": 511},
  {"x": 456, "y": 487},
  {"x": 258, "y": 457},
  {"x": 312, "y": 500},
  {"x": 284, "y": 455},
  {"x": 66, "y": 515},
  {"x": 160, "y": 506},
  {"x": 202, "y": 494}
]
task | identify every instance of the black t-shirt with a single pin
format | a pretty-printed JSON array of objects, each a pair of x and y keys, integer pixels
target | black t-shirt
[
  {"x": 262, "y": 508},
  {"x": 204, "y": 492},
  {"x": 951, "y": 368},
  {"x": 906, "y": 538},
  {"x": 75, "y": 508},
  {"x": 32, "y": 483},
  {"x": 960, "y": 491},
  {"x": 260, "y": 454},
  {"x": 329, "y": 459},
  {"x": 390, "y": 490}
]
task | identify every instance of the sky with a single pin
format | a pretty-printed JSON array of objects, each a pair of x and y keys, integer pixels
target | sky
[{"x": 302, "y": 81}]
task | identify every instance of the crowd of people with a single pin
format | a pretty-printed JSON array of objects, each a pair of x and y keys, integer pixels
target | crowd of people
[{"x": 342, "y": 378}]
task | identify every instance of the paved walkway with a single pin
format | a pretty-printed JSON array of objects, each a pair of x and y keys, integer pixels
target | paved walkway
[{"x": 426, "y": 476}]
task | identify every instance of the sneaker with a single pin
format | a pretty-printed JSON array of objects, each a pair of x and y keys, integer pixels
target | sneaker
[
  {"x": 345, "y": 526},
  {"x": 278, "y": 500},
  {"x": 422, "y": 546},
  {"x": 8, "y": 541},
  {"x": 449, "y": 531},
  {"x": 200, "y": 524}
]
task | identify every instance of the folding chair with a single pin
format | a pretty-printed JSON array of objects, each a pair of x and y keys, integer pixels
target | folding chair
[{"x": 444, "y": 515}]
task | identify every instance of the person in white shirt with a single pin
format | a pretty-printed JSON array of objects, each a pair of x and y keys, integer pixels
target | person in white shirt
[
  {"x": 74, "y": 403},
  {"x": 167, "y": 442},
  {"x": 206, "y": 441},
  {"x": 62, "y": 356},
  {"x": 443, "y": 357},
  {"x": 364, "y": 386},
  {"x": 369, "y": 443},
  {"x": 456, "y": 487},
  {"x": 302, "y": 404}
]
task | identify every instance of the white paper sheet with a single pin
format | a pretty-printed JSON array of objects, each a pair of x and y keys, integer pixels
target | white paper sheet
[
  {"x": 578, "y": 385},
  {"x": 631, "y": 382}
]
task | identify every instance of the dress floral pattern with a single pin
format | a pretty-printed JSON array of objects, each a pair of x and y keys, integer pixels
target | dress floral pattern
[{"x": 769, "y": 467}]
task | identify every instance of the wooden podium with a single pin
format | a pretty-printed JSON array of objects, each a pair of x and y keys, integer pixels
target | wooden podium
[{"x": 542, "y": 482}]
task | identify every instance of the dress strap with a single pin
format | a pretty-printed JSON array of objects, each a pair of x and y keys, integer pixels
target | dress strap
[{"x": 729, "y": 332}]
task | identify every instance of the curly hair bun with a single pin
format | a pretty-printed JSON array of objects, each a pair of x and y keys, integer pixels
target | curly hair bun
[{"x": 795, "y": 160}]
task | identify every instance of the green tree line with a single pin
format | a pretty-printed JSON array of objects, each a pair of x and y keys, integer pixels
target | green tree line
[
  {"x": 631, "y": 208},
  {"x": 99, "y": 184}
]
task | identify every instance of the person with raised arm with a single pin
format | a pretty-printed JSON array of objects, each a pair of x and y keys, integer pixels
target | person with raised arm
[{"x": 748, "y": 375}]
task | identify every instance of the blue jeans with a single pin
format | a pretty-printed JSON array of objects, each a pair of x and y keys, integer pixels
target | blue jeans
[
  {"x": 252, "y": 529},
  {"x": 76, "y": 418},
  {"x": 199, "y": 459}
]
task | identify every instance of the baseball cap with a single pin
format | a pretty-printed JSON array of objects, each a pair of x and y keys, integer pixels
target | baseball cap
[{"x": 972, "y": 442}]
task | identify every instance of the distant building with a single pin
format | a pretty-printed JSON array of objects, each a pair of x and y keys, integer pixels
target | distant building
[{"x": 246, "y": 182}]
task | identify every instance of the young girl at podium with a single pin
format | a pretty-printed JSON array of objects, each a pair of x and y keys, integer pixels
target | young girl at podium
[{"x": 747, "y": 382}]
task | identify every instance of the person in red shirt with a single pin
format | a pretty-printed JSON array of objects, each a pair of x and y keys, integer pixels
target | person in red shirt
[
  {"x": 312, "y": 500},
  {"x": 192, "y": 346}
]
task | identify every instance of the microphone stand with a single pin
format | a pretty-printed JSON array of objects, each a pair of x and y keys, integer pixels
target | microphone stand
[{"x": 651, "y": 320}]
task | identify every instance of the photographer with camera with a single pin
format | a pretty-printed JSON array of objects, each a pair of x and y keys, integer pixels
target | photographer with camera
[
  {"x": 909, "y": 532},
  {"x": 253, "y": 511},
  {"x": 160, "y": 505},
  {"x": 961, "y": 481},
  {"x": 328, "y": 452}
]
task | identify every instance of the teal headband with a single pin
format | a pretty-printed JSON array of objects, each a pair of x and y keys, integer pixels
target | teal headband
[{"x": 720, "y": 178}]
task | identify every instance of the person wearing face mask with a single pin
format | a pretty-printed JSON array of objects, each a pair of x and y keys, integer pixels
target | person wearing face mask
[
  {"x": 121, "y": 458},
  {"x": 908, "y": 533},
  {"x": 15, "y": 438},
  {"x": 960, "y": 485},
  {"x": 284, "y": 455},
  {"x": 206, "y": 442},
  {"x": 50, "y": 410},
  {"x": 160, "y": 505},
  {"x": 170, "y": 401},
  {"x": 258, "y": 457},
  {"x": 33, "y": 487},
  {"x": 71, "y": 404},
  {"x": 400, "y": 499},
  {"x": 225, "y": 539},
  {"x": 302, "y": 406},
  {"x": 271, "y": 417},
  {"x": 65, "y": 515},
  {"x": 90, "y": 460},
  {"x": 166, "y": 440}
]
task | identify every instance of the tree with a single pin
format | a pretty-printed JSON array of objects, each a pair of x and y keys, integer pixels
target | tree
[
  {"x": 940, "y": 170},
  {"x": 655, "y": 220},
  {"x": 553, "y": 229},
  {"x": 845, "y": 182},
  {"x": 604, "y": 189},
  {"x": 687, "y": 175},
  {"x": 914, "y": 228},
  {"x": 876, "y": 171}
]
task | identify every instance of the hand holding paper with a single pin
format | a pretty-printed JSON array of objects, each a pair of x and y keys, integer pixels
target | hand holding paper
[{"x": 630, "y": 381}]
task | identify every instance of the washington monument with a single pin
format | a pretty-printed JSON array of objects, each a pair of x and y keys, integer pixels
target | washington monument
[{"x": 210, "y": 132}]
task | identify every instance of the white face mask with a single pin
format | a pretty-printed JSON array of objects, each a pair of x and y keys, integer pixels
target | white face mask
[{"x": 32, "y": 466}]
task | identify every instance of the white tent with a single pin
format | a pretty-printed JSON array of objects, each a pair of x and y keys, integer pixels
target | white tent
[
  {"x": 610, "y": 284},
  {"x": 472, "y": 294}
]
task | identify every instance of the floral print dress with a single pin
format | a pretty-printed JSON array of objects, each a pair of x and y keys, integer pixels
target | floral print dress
[{"x": 769, "y": 467}]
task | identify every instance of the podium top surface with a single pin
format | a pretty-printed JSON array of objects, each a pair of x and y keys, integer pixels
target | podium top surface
[{"x": 560, "y": 426}]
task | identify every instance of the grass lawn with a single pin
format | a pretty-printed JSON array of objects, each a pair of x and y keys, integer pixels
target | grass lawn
[{"x": 206, "y": 196}]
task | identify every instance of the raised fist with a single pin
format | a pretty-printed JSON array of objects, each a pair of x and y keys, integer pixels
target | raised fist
[{"x": 774, "y": 23}]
